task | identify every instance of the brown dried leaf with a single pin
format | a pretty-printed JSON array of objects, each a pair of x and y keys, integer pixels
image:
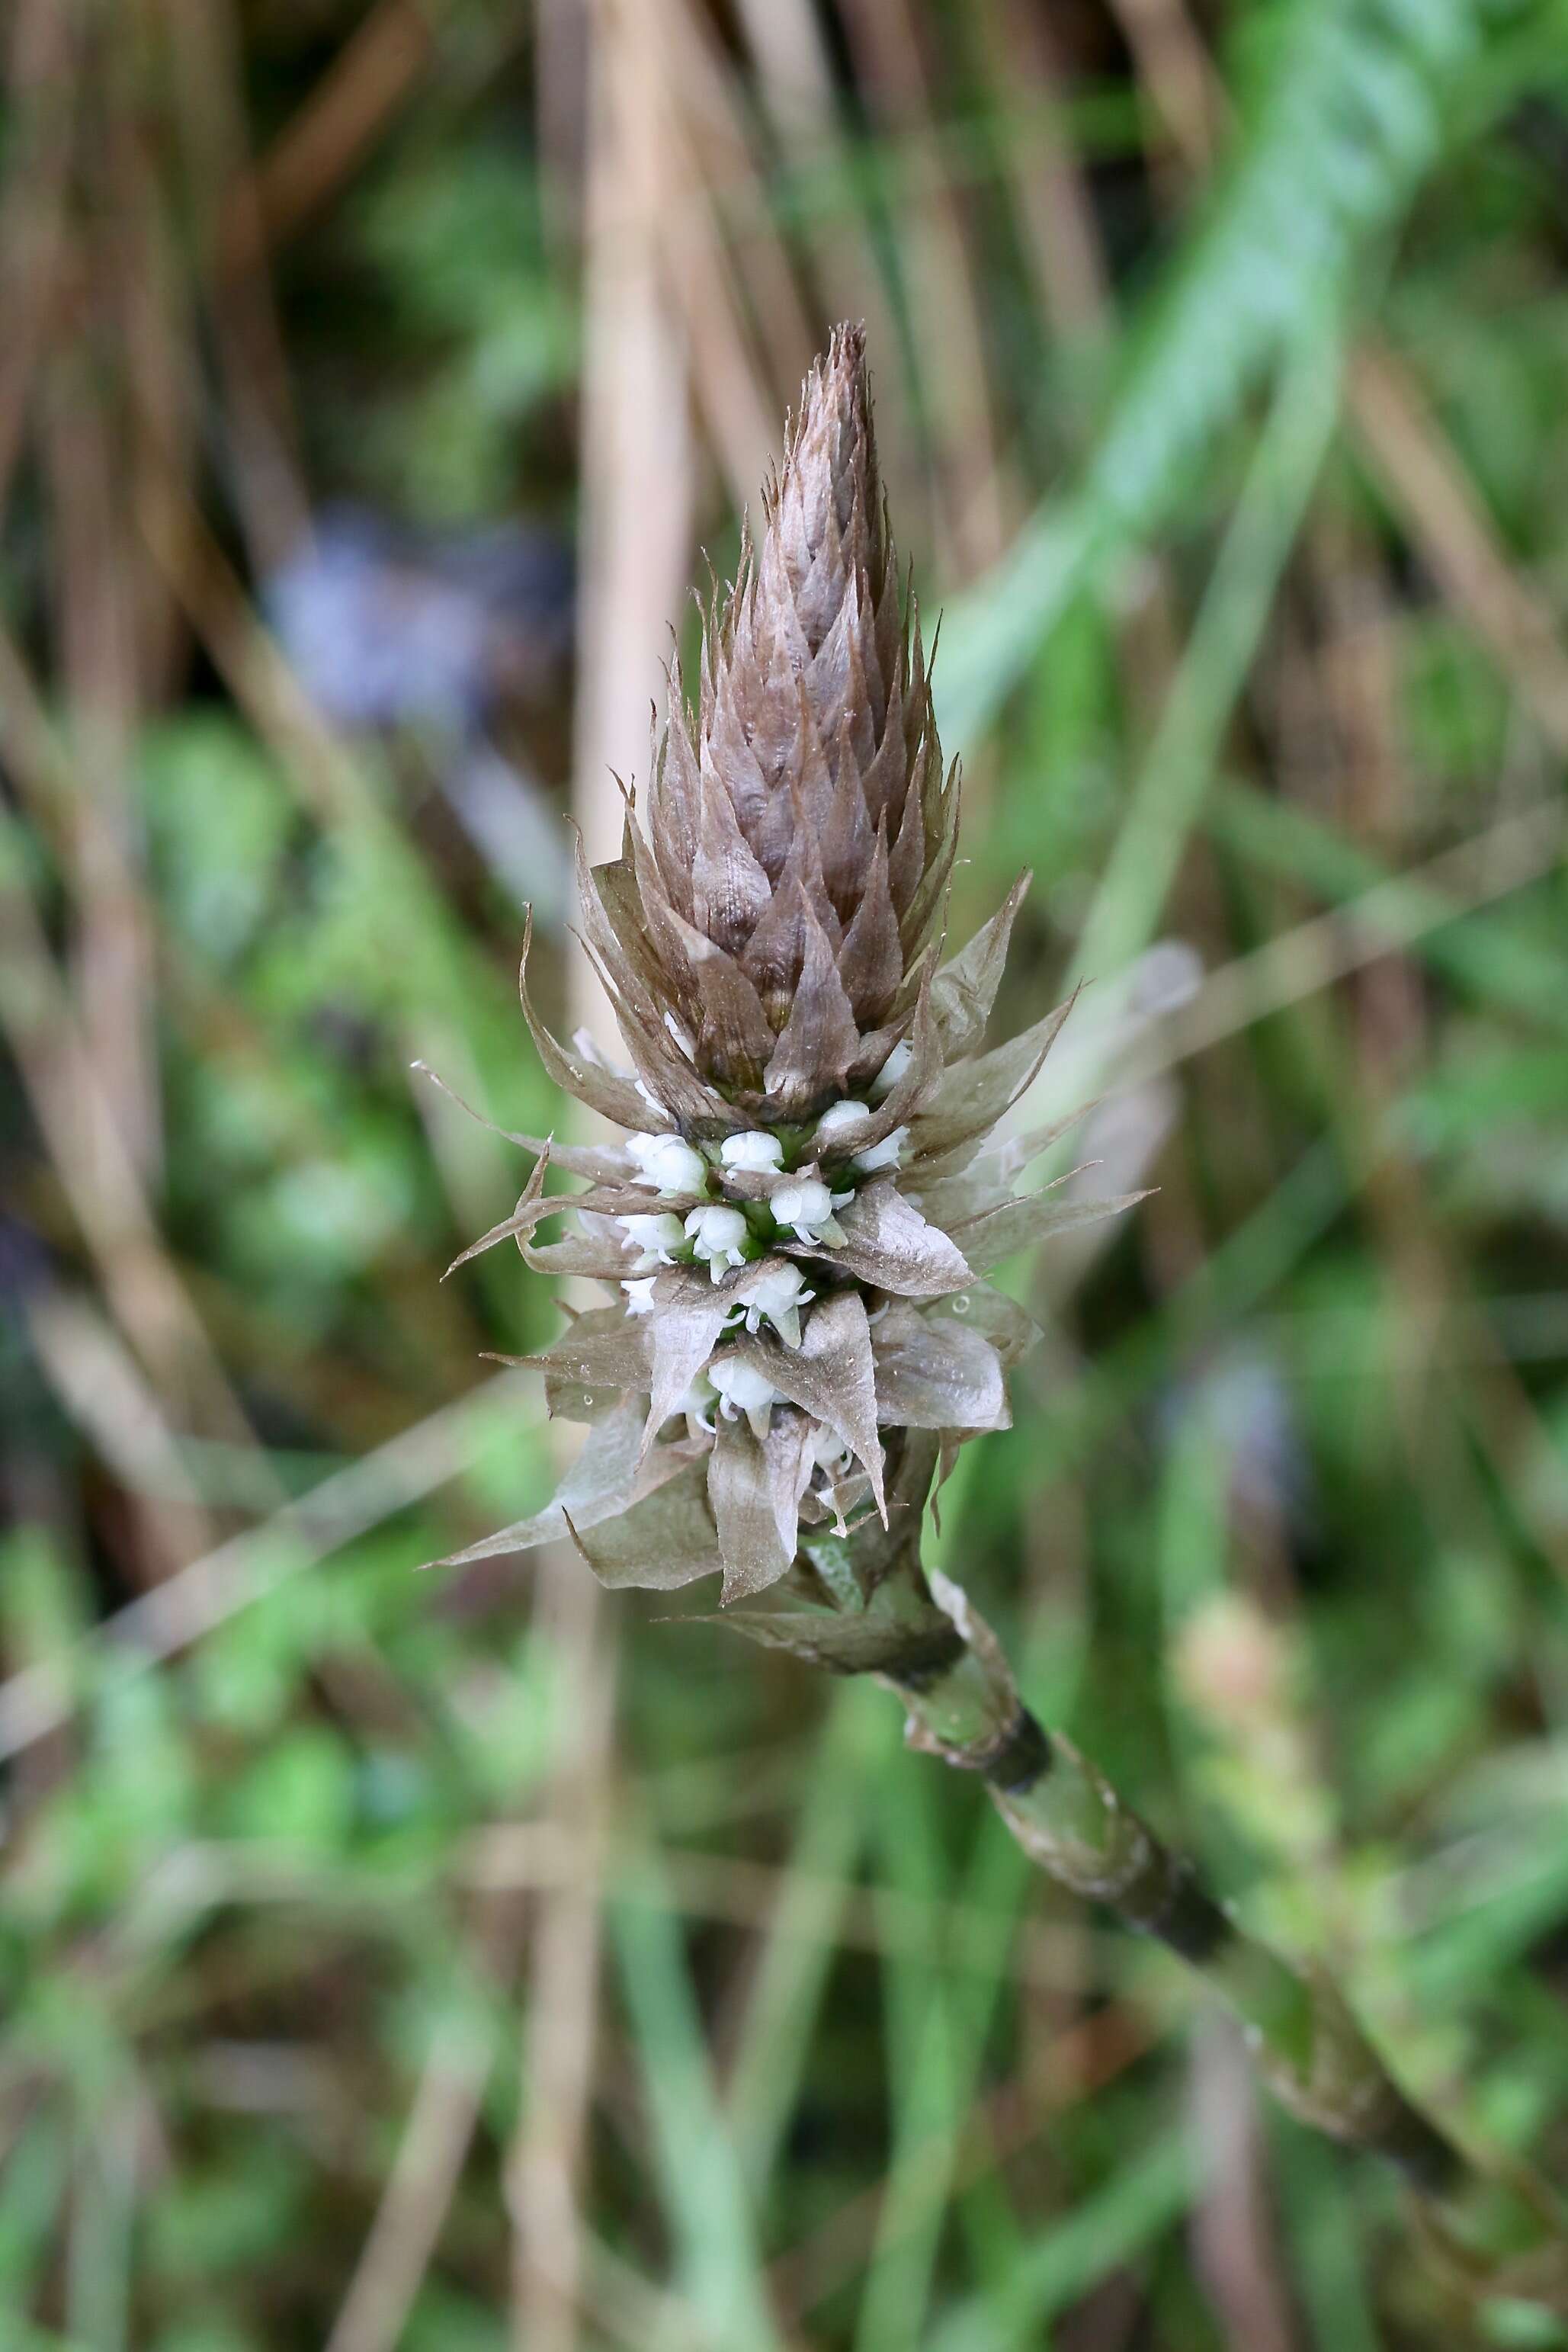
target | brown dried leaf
[
  {"x": 683, "y": 1332},
  {"x": 755, "y": 1490},
  {"x": 532, "y": 1210},
  {"x": 902, "y": 1099},
  {"x": 675, "y": 801},
  {"x": 829, "y": 1375},
  {"x": 588, "y": 1257},
  {"x": 936, "y": 1373},
  {"x": 730, "y": 890},
  {"x": 974, "y": 1094},
  {"x": 606, "y": 1348},
  {"x": 734, "y": 1038},
  {"x": 607, "y": 1478},
  {"x": 812, "y": 1057},
  {"x": 848, "y": 832},
  {"x": 616, "y": 924},
  {"x": 888, "y": 1242},
  {"x": 666, "y": 1072},
  {"x": 966, "y": 986},
  {"x": 1020, "y": 1225},
  {"x": 870, "y": 960},
  {"x": 1011, "y": 1328},
  {"x": 615, "y": 1098},
  {"x": 665, "y": 1540}
]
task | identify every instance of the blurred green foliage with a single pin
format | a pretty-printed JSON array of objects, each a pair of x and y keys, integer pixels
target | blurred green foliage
[{"x": 1281, "y": 1533}]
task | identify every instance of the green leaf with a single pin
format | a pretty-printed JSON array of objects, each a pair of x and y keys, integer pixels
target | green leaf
[{"x": 1347, "y": 125}]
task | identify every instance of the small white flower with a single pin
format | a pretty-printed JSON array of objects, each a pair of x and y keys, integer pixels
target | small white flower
[
  {"x": 655, "y": 1237},
  {"x": 805, "y": 1204},
  {"x": 841, "y": 1120},
  {"x": 839, "y": 1125},
  {"x": 835, "y": 1461},
  {"x": 755, "y": 1153},
  {"x": 667, "y": 1164},
  {"x": 891, "y": 1070},
  {"x": 885, "y": 1154},
  {"x": 698, "y": 1403},
  {"x": 828, "y": 1451},
  {"x": 744, "y": 1389},
  {"x": 779, "y": 1297},
  {"x": 718, "y": 1234},
  {"x": 640, "y": 1296}
]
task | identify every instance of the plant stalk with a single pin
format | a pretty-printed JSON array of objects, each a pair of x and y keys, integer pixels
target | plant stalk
[{"x": 1490, "y": 2225}]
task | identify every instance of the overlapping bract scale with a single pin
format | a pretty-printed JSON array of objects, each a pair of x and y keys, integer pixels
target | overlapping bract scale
[{"x": 800, "y": 827}]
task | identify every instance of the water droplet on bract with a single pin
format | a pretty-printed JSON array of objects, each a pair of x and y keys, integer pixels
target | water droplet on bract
[
  {"x": 588, "y": 1399},
  {"x": 961, "y": 1304}
]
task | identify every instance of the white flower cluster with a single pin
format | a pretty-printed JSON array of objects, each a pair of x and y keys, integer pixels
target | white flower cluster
[{"x": 776, "y": 1191}]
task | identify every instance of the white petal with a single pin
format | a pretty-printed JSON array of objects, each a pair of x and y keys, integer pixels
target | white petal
[
  {"x": 841, "y": 1120},
  {"x": 885, "y": 1154},
  {"x": 803, "y": 1201},
  {"x": 891, "y": 1070},
  {"x": 668, "y": 1163},
  {"x": 755, "y": 1150}
]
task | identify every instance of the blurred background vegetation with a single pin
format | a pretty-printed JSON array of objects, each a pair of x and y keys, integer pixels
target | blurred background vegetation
[{"x": 461, "y": 1963}]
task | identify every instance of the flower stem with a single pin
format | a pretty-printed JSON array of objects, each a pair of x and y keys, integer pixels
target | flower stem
[{"x": 963, "y": 1705}]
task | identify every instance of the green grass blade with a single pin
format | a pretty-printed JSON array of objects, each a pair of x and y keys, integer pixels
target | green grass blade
[
  {"x": 1350, "y": 122},
  {"x": 1165, "y": 800},
  {"x": 773, "y": 2044},
  {"x": 1141, "y": 2200},
  {"x": 700, "y": 2179}
]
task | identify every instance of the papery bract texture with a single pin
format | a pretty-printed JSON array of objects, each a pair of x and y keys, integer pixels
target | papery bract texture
[{"x": 794, "y": 1225}]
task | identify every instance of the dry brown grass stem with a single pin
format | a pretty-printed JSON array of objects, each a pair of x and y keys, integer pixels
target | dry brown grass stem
[
  {"x": 97, "y": 1173},
  {"x": 374, "y": 72},
  {"x": 637, "y": 466},
  {"x": 420, "y": 2188}
]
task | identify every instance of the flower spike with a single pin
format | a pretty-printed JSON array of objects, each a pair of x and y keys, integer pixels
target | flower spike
[{"x": 803, "y": 1188}]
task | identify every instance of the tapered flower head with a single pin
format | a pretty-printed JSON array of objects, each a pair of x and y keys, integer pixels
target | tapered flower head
[
  {"x": 802, "y": 832},
  {"x": 780, "y": 905},
  {"x": 795, "y": 1228}
]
